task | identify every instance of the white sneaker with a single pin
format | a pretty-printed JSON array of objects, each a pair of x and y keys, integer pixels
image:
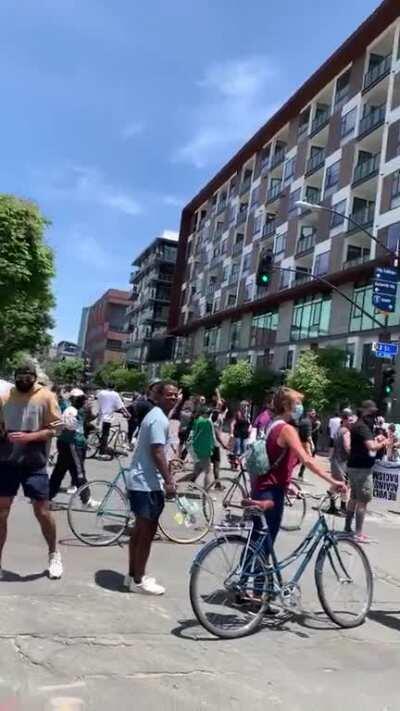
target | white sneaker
[
  {"x": 129, "y": 581},
  {"x": 92, "y": 504},
  {"x": 148, "y": 586},
  {"x": 72, "y": 490},
  {"x": 55, "y": 566}
]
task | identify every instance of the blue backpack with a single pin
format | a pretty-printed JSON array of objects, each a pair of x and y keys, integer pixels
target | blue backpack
[{"x": 256, "y": 457}]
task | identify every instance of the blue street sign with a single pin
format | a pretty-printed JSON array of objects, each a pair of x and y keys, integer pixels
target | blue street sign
[
  {"x": 384, "y": 302},
  {"x": 385, "y": 350},
  {"x": 386, "y": 274},
  {"x": 385, "y": 287}
]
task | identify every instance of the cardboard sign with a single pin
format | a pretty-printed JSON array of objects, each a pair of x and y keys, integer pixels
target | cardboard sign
[{"x": 386, "y": 481}]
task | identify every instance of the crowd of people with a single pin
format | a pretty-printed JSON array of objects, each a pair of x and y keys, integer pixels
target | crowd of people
[{"x": 31, "y": 415}]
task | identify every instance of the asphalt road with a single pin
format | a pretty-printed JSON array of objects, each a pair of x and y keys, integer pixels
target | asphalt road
[{"x": 84, "y": 639}]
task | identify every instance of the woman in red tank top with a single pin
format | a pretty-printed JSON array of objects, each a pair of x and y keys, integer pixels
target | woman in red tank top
[{"x": 285, "y": 450}]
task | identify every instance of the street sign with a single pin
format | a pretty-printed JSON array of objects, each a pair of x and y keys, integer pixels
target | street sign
[
  {"x": 384, "y": 289},
  {"x": 385, "y": 350}
]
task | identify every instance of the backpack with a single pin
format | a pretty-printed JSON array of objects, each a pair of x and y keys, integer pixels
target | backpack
[{"x": 256, "y": 457}]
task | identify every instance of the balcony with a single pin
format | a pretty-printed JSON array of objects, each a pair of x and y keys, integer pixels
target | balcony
[
  {"x": 278, "y": 158},
  {"x": 366, "y": 169},
  {"x": 312, "y": 195},
  {"x": 269, "y": 228},
  {"x": 378, "y": 72},
  {"x": 237, "y": 248},
  {"x": 265, "y": 165},
  {"x": 274, "y": 192},
  {"x": 305, "y": 245},
  {"x": 356, "y": 261},
  {"x": 241, "y": 218},
  {"x": 245, "y": 185},
  {"x": 301, "y": 278},
  {"x": 315, "y": 162},
  {"x": 320, "y": 121},
  {"x": 372, "y": 120},
  {"x": 221, "y": 206},
  {"x": 363, "y": 217}
]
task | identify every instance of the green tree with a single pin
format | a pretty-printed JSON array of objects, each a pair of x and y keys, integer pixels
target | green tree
[
  {"x": 67, "y": 372},
  {"x": 122, "y": 379},
  {"x": 236, "y": 380},
  {"x": 263, "y": 380},
  {"x": 202, "y": 378},
  {"x": 105, "y": 374},
  {"x": 347, "y": 386},
  {"x": 26, "y": 270},
  {"x": 311, "y": 379},
  {"x": 174, "y": 371}
]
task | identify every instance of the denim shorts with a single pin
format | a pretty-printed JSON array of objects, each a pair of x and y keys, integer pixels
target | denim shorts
[
  {"x": 147, "y": 504},
  {"x": 361, "y": 484},
  {"x": 34, "y": 482}
]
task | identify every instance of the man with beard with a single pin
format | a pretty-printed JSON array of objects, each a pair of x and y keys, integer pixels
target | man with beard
[{"x": 29, "y": 416}]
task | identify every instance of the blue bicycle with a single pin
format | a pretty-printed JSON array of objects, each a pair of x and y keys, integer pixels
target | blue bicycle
[{"x": 232, "y": 581}]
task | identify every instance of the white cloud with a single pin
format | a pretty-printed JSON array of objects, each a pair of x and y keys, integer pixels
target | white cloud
[
  {"x": 170, "y": 234},
  {"x": 235, "y": 104},
  {"x": 135, "y": 128},
  {"x": 173, "y": 201},
  {"x": 87, "y": 184}
]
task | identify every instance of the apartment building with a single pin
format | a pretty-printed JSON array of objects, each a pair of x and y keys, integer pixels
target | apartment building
[
  {"x": 335, "y": 143},
  {"x": 147, "y": 315},
  {"x": 104, "y": 327}
]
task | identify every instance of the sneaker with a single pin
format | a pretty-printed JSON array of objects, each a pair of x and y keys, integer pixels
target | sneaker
[
  {"x": 129, "y": 581},
  {"x": 72, "y": 490},
  {"x": 148, "y": 586},
  {"x": 92, "y": 504},
  {"x": 55, "y": 566}
]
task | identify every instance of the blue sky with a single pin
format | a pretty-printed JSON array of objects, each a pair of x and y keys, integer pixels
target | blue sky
[{"x": 115, "y": 113}]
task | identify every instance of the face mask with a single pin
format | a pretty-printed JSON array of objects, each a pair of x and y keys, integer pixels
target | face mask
[
  {"x": 297, "y": 412},
  {"x": 24, "y": 384}
]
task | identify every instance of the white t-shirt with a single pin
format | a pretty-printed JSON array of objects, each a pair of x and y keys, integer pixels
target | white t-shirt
[
  {"x": 5, "y": 387},
  {"x": 334, "y": 426},
  {"x": 109, "y": 402},
  {"x": 143, "y": 474}
]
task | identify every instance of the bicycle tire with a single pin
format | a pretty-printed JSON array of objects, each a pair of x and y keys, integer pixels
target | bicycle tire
[
  {"x": 233, "y": 492},
  {"x": 324, "y": 558},
  {"x": 292, "y": 502},
  {"x": 183, "y": 512},
  {"x": 115, "y": 521},
  {"x": 92, "y": 445},
  {"x": 198, "y": 600}
]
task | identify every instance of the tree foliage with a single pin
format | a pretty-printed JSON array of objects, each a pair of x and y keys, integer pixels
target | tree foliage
[
  {"x": 67, "y": 372},
  {"x": 26, "y": 270},
  {"x": 174, "y": 371},
  {"x": 203, "y": 377},
  {"x": 311, "y": 379},
  {"x": 262, "y": 382},
  {"x": 123, "y": 379},
  {"x": 236, "y": 380},
  {"x": 347, "y": 386}
]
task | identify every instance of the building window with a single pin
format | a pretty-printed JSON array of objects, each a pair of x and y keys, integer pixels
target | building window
[
  {"x": 293, "y": 198},
  {"x": 235, "y": 334},
  {"x": 310, "y": 318},
  {"x": 359, "y": 321},
  {"x": 395, "y": 195},
  {"x": 261, "y": 327},
  {"x": 286, "y": 278},
  {"x": 332, "y": 175},
  {"x": 255, "y": 197},
  {"x": 321, "y": 264},
  {"x": 280, "y": 244},
  {"x": 340, "y": 208},
  {"x": 288, "y": 171},
  {"x": 211, "y": 339},
  {"x": 225, "y": 273},
  {"x": 348, "y": 123},
  {"x": 232, "y": 186},
  {"x": 246, "y": 262},
  {"x": 342, "y": 87},
  {"x": 393, "y": 236},
  {"x": 257, "y": 224},
  {"x": 248, "y": 291},
  {"x": 231, "y": 300},
  {"x": 224, "y": 246},
  {"x": 239, "y": 239},
  {"x": 216, "y": 304},
  {"x": 289, "y": 360},
  {"x": 350, "y": 355},
  {"x": 231, "y": 213}
]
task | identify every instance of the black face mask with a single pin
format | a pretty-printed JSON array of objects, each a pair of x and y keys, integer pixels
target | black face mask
[
  {"x": 370, "y": 420},
  {"x": 24, "y": 384}
]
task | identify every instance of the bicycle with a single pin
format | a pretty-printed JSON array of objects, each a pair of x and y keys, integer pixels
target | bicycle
[
  {"x": 232, "y": 580},
  {"x": 229, "y": 493},
  {"x": 117, "y": 443},
  {"x": 187, "y": 516}
]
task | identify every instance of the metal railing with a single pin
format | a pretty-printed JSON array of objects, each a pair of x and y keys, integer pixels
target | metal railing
[
  {"x": 372, "y": 120},
  {"x": 320, "y": 121},
  {"x": 305, "y": 244},
  {"x": 269, "y": 228},
  {"x": 277, "y": 158},
  {"x": 377, "y": 72},
  {"x": 316, "y": 161},
  {"x": 366, "y": 168},
  {"x": 274, "y": 192},
  {"x": 363, "y": 217}
]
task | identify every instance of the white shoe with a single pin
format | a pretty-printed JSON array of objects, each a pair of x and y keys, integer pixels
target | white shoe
[
  {"x": 72, "y": 490},
  {"x": 129, "y": 581},
  {"x": 92, "y": 504},
  {"x": 55, "y": 566},
  {"x": 148, "y": 586}
]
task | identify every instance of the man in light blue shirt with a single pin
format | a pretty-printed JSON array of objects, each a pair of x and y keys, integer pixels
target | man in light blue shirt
[{"x": 149, "y": 477}]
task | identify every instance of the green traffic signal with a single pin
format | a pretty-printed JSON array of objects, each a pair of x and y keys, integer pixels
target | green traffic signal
[
  {"x": 388, "y": 389},
  {"x": 265, "y": 278}
]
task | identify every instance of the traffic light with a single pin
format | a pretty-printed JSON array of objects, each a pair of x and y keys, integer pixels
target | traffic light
[
  {"x": 388, "y": 379},
  {"x": 264, "y": 270}
]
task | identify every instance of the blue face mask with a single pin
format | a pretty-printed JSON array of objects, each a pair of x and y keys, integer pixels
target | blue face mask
[{"x": 297, "y": 411}]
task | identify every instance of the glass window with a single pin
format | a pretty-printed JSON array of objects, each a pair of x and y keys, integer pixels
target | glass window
[
  {"x": 395, "y": 199},
  {"x": 211, "y": 339},
  {"x": 257, "y": 224},
  {"x": 261, "y": 327},
  {"x": 231, "y": 300},
  {"x": 321, "y": 263},
  {"x": 248, "y": 291},
  {"x": 235, "y": 334},
  {"x": 289, "y": 360},
  {"x": 234, "y": 272},
  {"x": 239, "y": 239},
  {"x": 225, "y": 273},
  {"x": 246, "y": 262},
  {"x": 293, "y": 198},
  {"x": 311, "y": 317},
  {"x": 285, "y": 279},
  {"x": 359, "y": 321},
  {"x": 348, "y": 123},
  {"x": 342, "y": 86},
  {"x": 340, "y": 208},
  {"x": 224, "y": 246},
  {"x": 332, "y": 175},
  {"x": 255, "y": 197},
  {"x": 280, "y": 244},
  {"x": 393, "y": 236},
  {"x": 288, "y": 170}
]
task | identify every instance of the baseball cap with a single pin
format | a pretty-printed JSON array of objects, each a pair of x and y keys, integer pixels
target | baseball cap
[
  {"x": 154, "y": 382},
  {"x": 76, "y": 392}
]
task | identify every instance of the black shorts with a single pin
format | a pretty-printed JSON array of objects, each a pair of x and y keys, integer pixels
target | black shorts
[
  {"x": 216, "y": 455},
  {"x": 147, "y": 504},
  {"x": 35, "y": 482}
]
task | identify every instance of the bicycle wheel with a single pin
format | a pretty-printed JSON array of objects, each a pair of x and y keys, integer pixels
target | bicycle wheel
[
  {"x": 92, "y": 445},
  {"x": 295, "y": 509},
  {"x": 227, "y": 498},
  {"x": 103, "y": 520},
  {"x": 228, "y": 591},
  {"x": 344, "y": 581},
  {"x": 188, "y": 516}
]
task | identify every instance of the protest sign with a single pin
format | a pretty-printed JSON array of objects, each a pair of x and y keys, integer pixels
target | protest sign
[{"x": 386, "y": 481}]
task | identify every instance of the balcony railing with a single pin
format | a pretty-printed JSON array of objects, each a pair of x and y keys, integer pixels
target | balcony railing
[
  {"x": 269, "y": 228},
  {"x": 366, "y": 169},
  {"x": 277, "y": 158},
  {"x": 221, "y": 206},
  {"x": 301, "y": 279},
  {"x": 242, "y": 217},
  {"x": 313, "y": 195},
  {"x": 265, "y": 165},
  {"x": 378, "y": 72},
  {"x": 245, "y": 185},
  {"x": 315, "y": 162},
  {"x": 274, "y": 192},
  {"x": 372, "y": 120},
  {"x": 363, "y": 217},
  {"x": 355, "y": 261},
  {"x": 237, "y": 248},
  {"x": 305, "y": 244},
  {"x": 319, "y": 122}
]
